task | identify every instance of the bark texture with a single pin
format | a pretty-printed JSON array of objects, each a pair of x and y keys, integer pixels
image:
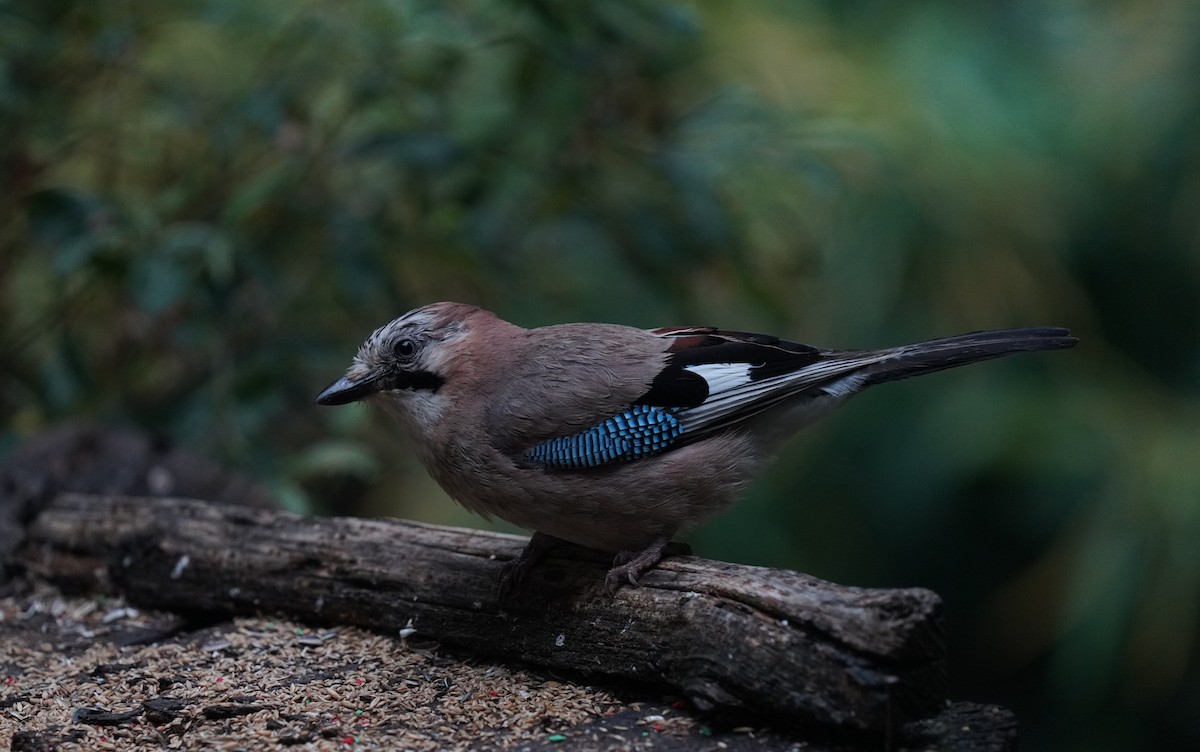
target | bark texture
[{"x": 774, "y": 642}]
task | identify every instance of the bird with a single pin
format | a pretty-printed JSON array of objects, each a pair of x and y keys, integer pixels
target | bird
[{"x": 614, "y": 437}]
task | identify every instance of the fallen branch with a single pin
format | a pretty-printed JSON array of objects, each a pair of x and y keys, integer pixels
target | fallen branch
[{"x": 726, "y": 635}]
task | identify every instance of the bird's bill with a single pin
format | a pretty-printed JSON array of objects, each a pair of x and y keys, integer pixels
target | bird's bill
[{"x": 346, "y": 390}]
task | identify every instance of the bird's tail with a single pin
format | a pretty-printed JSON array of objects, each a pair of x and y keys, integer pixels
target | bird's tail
[{"x": 950, "y": 352}]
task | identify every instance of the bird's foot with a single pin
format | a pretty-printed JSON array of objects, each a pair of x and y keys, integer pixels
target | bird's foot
[
  {"x": 514, "y": 571},
  {"x": 629, "y": 565}
]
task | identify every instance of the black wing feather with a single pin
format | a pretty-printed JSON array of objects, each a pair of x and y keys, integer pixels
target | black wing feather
[{"x": 768, "y": 356}]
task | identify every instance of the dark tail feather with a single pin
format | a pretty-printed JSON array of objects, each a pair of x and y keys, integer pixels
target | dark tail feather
[{"x": 949, "y": 352}]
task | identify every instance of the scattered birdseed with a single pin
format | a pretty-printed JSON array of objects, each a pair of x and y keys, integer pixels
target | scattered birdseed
[
  {"x": 254, "y": 683},
  {"x": 180, "y": 565},
  {"x": 115, "y": 614},
  {"x": 277, "y": 685}
]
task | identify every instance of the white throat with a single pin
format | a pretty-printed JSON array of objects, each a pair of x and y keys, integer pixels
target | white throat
[{"x": 420, "y": 410}]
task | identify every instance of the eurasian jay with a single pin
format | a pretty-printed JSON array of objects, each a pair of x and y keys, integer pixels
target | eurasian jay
[{"x": 613, "y": 437}]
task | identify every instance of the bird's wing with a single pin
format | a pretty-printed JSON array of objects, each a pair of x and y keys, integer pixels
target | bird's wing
[
  {"x": 745, "y": 373},
  {"x": 566, "y": 380},
  {"x": 700, "y": 381}
]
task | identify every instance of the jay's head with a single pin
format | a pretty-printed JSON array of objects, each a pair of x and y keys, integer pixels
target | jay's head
[{"x": 408, "y": 359}]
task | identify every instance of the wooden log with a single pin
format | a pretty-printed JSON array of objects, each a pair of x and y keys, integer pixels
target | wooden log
[{"x": 771, "y": 641}]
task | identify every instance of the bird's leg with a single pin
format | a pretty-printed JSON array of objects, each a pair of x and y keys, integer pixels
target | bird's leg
[
  {"x": 629, "y": 565},
  {"x": 516, "y": 570}
]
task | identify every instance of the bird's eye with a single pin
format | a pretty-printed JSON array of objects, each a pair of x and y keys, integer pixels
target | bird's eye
[{"x": 405, "y": 349}]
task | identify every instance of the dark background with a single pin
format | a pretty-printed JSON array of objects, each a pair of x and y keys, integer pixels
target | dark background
[{"x": 206, "y": 205}]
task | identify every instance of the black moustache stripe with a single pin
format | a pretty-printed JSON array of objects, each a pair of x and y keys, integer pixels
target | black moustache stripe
[{"x": 419, "y": 380}]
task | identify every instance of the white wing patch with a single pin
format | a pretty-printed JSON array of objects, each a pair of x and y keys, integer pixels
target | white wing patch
[
  {"x": 722, "y": 377},
  {"x": 733, "y": 394},
  {"x": 845, "y": 386}
]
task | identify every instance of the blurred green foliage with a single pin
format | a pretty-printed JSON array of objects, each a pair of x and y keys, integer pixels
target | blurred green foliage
[{"x": 206, "y": 204}]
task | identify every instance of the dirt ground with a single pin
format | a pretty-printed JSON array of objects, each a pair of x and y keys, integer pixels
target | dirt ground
[{"x": 94, "y": 673}]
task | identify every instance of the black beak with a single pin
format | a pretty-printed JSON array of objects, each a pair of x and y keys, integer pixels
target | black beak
[{"x": 344, "y": 390}]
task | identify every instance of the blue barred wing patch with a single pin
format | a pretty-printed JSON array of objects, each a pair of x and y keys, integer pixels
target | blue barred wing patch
[{"x": 641, "y": 431}]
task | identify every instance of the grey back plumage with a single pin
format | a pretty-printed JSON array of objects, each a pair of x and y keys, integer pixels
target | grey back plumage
[{"x": 568, "y": 378}]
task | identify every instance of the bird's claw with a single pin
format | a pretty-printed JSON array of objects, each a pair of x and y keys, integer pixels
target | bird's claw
[
  {"x": 630, "y": 565},
  {"x": 514, "y": 571},
  {"x": 613, "y": 580}
]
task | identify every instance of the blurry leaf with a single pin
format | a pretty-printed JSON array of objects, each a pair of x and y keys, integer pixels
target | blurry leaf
[
  {"x": 292, "y": 497},
  {"x": 701, "y": 208},
  {"x": 335, "y": 457},
  {"x": 200, "y": 245},
  {"x": 354, "y": 256},
  {"x": 63, "y": 220},
  {"x": 64, "y": 378},
  {"x": 425, "y": 150},
  {"x": 158, "y": 281},
  {"x": 254, "y": 193}
]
